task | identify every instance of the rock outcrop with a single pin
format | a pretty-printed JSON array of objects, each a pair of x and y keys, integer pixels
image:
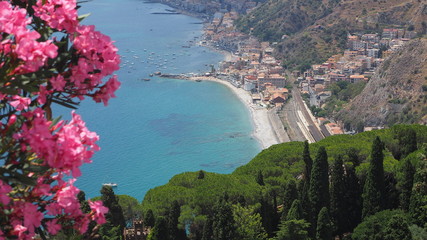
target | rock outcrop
[{"x": 397, "y": 93}]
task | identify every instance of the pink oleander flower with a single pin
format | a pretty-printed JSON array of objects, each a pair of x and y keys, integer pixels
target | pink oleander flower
[
  {"x": 107, "y": 91},
  {"x": 34, "y": 54},
  {"x": 99, "y": 210},
  {"x": 76, "y": 145},
  {"x": 20, "y": 230},
  {"x": 20, "y": 103},
  {"x": 42, "y": 189},
  {"x": 67, "y": 199},
  {"x": 32, "y": 217},
  {"x": 58, "y": 14},
  {"x": 53, "y": 227},
  {"x": 4, "y": 191},
  {"x": 82, "y": 225},
  {"x": 42, "y": 95},
  {"x": 12, "y": 120},
  {"x": 99, "y": 51},
  {"x": 13, "y": 20},
  {"x": 66, "y": 149},
  {"x": 24, "y": 46},
  {"x": 58, "y": 83}
]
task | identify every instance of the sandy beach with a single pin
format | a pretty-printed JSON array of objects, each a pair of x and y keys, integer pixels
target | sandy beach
[{"x": 264, "y": 132}]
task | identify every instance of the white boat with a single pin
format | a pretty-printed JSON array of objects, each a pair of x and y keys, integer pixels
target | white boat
[{"x": 110, "y": 184}]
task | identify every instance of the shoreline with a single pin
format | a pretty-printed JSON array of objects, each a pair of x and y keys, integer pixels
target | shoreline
[{"x": 263, "y": 131}]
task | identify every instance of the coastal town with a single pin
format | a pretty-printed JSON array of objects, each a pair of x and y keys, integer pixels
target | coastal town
[{"x": 251, "y": 66}]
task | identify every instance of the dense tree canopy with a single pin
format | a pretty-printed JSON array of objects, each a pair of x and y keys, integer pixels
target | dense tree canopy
[{"x": 283, "y": 167}]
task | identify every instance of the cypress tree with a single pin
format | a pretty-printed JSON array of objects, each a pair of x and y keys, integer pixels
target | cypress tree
[
  {"x": 391, "y": 193},
  {"x": 269, "y": 215},
  {"x": 305, "y": 201},
  {"x": 418, "y": 205},
  {"x": 84, "y": 205},
  {"x": 160, "y": 230},
  {"x": 324, "y": 226},
  {"x": 172, "y": 220},
  {"x": 201, "y": 175},
  {"x": 407, "y": 138},
  {"x": 260, "y": 178},
  {"x": 373, "y": 190},
  {"x": 307, "y": 160},
  {"x": 406, "y": 184},
  {"x": 352, "y": 199},
  {"x": 223, "y": 226},
  {"x": 149, "y": 219},
  {"x": 115, "y": 214},
  {"x": 290, "y": 195},
  {"x": 338, "y": 210},
  {"x": 353, "y": 156},
  {"x": 295, "y": 212},
  {"x": 319, "y": 183},
  {"x": 305, "y": 183}
]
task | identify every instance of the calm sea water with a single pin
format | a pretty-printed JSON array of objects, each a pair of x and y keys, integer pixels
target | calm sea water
[{"x": 156, "y": 129}]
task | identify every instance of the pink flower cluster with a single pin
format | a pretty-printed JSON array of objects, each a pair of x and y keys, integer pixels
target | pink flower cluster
[
  {"x": 100, "y": 58},
  {"x": 97, "y": 56},
  {"x": 39, "y": 150},
  {"x": 64, "y": 146},
  {"x": 99, "y": 211},
  {"x": 21, "y": 42},
  {"x": 58, "y": 14},
  {"x": 4, "y": 190},
  {"x": 25, "y": 216}
]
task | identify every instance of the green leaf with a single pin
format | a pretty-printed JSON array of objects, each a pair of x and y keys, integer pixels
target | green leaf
[
  {"x": 82, "y": 17},
  {"x": 55, "y": 121}
]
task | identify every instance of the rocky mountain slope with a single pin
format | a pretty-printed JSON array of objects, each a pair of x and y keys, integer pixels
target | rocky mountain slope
[
  {"x": 397, "y": 93},
  {"x": 309, "y": 31},
  {"x": 276, "y": 18},
  {"x": 207, "y": 8}
]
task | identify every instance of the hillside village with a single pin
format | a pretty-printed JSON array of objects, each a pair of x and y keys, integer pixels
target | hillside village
[
  {"x": 365, "y": 52},
  {"x": 254, "y": 68}
]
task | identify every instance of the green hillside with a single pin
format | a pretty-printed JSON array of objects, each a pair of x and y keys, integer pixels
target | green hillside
[
  {"x": 265, "y": 183},
  {"x": 278, "y": 164}
]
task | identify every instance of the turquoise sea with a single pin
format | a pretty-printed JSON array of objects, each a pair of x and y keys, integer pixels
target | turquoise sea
[{"x": 156, "y": 129}]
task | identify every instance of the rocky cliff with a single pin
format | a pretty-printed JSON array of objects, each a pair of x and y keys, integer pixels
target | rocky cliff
[{"x": 397, "y": 93}]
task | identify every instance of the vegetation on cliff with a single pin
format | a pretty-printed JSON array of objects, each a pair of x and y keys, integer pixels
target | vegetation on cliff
[{"x": 396, "y": 93}]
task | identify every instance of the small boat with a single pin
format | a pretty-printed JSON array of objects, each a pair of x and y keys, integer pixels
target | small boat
[
  {"x": 151, "y": 75},
  {"x": 146, "y": 79},
  {"x": 198, "y": 80},
  {"x": 110, "y": 184}
]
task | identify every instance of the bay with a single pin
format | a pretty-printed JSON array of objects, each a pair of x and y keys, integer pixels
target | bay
[{"x": 158, "y": 128}]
